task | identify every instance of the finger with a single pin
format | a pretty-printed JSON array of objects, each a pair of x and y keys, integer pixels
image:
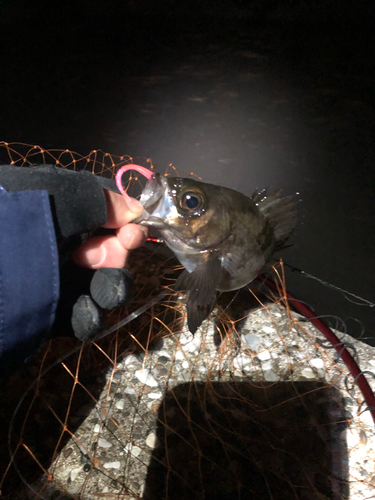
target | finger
[
  {"x": 132, "y": 236},
  {"x": 120, "y": 212},
  {"x": 101, "y": 251}
]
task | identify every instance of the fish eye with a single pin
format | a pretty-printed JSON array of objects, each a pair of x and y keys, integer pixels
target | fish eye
[{"x": 192, "y": 201}]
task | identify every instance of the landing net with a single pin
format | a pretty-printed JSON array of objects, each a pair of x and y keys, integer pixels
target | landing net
[{"x": 257, "y": 405}]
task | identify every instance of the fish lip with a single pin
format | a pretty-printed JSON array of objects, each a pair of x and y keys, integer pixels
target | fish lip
[
  {"x": 150, "y": 197},
  {"x": 150, "y": 221},
  {"x": 153, "y": 191}
]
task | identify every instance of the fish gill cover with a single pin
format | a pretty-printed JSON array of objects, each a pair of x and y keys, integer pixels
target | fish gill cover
[{"x": 256, "y": 405}]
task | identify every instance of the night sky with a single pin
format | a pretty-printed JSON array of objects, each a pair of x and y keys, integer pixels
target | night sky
[{"x": 244, "y": 94}]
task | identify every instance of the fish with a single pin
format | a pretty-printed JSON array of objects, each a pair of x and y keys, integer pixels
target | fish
[{"x": 221, "y": 237}]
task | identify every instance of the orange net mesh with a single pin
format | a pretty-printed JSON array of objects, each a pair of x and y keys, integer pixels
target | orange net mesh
[{"x": 255, "y": 406}]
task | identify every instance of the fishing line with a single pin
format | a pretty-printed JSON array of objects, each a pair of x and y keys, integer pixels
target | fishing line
[
  {"x": 359, "y": 322},
  {"x": 232, "y": 300},
  {"x": 345, "y": 293},
  {"x": 132, "y": 316}
]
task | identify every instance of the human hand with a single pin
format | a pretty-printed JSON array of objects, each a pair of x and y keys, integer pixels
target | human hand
[
  {"x": 111, "y": 285},
  {"x": 113, "y": 250}
]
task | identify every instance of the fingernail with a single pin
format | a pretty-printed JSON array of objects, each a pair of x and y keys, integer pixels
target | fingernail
[
  {"x": 96, "y": 256},
  {"x": 135, "y": 206},
  {"x": 135, "y": 236}
]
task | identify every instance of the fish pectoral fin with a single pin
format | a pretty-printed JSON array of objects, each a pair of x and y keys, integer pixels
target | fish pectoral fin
[
  {"x": 200, "y": 287},
  {"x": 203, "y": 281},
  {"x": 237, "y": 265}
]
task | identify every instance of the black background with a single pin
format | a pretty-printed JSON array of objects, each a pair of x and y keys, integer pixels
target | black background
[{"x": 244, "y": 94}]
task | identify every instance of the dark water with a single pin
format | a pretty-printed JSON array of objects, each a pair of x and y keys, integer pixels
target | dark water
[{"x": 246, "y": 96}]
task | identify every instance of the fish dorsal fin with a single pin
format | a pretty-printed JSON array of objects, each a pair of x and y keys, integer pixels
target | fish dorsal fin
[
  {"x": 200, "y": 287},
  {"x": 280, "y": 213}
]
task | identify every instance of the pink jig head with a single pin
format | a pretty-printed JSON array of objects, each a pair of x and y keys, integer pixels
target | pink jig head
[{"x": 142, "y": 170}]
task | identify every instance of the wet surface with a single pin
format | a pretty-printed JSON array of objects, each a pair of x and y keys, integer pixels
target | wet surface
[{"x": 267, "y": 98}]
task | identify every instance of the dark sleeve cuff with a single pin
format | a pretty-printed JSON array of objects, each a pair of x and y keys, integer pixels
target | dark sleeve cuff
[
  {"x": 77, "y": 199},
  {"x": 29, "y": 270}
]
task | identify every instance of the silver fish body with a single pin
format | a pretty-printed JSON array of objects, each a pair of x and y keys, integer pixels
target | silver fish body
[{"x": 221, "y": 237}]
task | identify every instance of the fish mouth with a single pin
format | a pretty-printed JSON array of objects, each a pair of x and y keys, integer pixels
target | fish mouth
[{"x": 151, "y": 199}]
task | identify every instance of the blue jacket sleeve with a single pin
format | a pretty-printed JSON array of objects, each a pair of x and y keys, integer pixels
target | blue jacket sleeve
[{"x": 29, "y": 271}]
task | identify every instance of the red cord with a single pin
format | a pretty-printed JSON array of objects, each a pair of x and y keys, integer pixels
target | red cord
[
  {"x": 337, "y": 344},
  {"x": 155, "y": 240}
]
